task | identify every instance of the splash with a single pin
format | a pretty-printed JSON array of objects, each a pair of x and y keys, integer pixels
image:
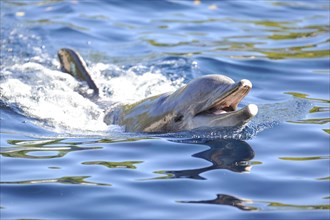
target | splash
[
  {"x": 128, "y": 85},
  {"x": 56, "y": 99},
  {"x": 49, "y": 96}
]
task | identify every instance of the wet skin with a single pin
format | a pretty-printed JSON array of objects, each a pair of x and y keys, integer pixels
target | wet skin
[{"x": 208, "y": 101}]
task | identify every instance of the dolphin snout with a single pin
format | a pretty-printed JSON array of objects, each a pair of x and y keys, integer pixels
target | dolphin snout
[{"x": 246, "y": 83}]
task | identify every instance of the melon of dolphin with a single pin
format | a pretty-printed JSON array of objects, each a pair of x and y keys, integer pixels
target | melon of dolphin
[{"x": 208, "y": 101}]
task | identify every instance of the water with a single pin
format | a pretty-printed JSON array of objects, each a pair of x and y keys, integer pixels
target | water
[{"x": 59, "y": 160}]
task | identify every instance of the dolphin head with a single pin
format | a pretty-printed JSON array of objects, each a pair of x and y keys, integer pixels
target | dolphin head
[
  {"x": 206, "y": 102},
  {"x": 210, "y": 101}
]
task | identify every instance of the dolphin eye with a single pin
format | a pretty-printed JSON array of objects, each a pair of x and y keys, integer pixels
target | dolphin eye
[{"x": 178, "y": 118}]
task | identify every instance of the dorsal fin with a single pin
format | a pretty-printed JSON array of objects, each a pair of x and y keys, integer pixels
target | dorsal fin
[{"x": 72, "y": 63}]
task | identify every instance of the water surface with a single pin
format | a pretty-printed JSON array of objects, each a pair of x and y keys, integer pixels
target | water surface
[{"x": 59, "y": 160}]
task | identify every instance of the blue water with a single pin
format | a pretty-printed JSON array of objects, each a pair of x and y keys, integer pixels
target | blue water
[{"x": 60, "y": 161}]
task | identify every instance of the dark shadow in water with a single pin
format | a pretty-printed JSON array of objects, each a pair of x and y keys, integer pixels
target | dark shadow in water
[
  {"x": 249, "y": 205},
  {"x": 233, "y": 155},
  {"x": 223, "y": 199}
]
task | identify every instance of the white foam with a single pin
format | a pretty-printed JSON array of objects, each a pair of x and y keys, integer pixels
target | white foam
[
  {"x": 130, "y": 86},
  {"x": 52, "y": 96},
  {"x": 49, "y": 95}
]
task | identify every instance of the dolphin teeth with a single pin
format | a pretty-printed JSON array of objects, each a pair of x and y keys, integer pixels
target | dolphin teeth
[
  {"x": 219, "y": 112},
  {"x": 222, "y": 109}
]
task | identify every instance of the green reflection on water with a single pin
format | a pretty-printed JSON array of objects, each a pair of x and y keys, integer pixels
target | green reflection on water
[
  {"x": 278, "y": 205},
  {"x": 64, "y": 24},
  {"x": 80, "y": 180},
  {"x": 326, "y": 130},
  {"x": 300, "y": 54},
  {"x": 314, "y": 109},
  {"x": 34, "y": 143},
  {"x": 305, "y": 158},
  {"x": 319, "y": 109},
  {"x": 289, "y": 31},
  {"x": 304, "y": 207},
  {"x": 124, "y": 164},
  {"x": 305, "y": 96},
  {"x": 324, "y": 178},
  {"x": 23, "y": 152},
  {"x": 293, "y": 35},
  {"x": 202, "y": 21},
  {"x": 163, "y": 172},
  {"x": 26, "y": 148},
  {"x": 319, "y": 121},
  {"x": 182, "y": 43},
  {"x": 272, "y": 23}
]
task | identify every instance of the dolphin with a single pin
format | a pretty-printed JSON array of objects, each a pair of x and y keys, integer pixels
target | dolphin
[{"x": 209, "y": 101}]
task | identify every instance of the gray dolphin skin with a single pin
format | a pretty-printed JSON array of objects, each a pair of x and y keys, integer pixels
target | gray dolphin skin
[
  {"x": 72, "y": 63},
  {"x": 206, "y": 102}
]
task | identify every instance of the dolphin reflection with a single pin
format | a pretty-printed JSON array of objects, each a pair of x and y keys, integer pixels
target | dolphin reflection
[
  {"x": 230, "y": 154},
  {"x": 223, "y": 199}
]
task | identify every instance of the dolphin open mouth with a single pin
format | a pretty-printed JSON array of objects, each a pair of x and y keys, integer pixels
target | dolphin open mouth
[{"x": 228, "y": 101}]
